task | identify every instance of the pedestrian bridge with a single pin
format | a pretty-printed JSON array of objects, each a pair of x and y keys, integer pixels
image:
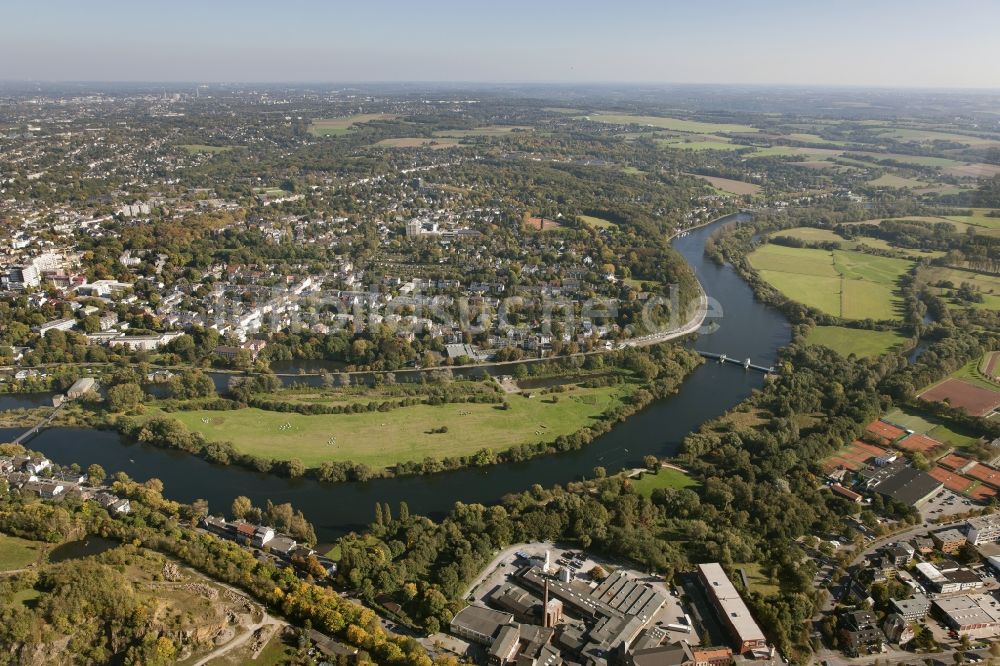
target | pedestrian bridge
[{"x": 746, "y": 363}]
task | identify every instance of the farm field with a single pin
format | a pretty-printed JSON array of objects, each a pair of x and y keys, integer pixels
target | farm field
[
  {"x": 541, "y": 224},
  {"x": 362, "y": 438},
  {"x": 339, "y": 126},
  {"x": 842, "y": 283},
  {"x": 17, "y": 553},
  {"x": 960, "y": 226},
  {"x": 979, "y": 218},
  {"x": 929, "y": 136},
  {"x": 675, "y": 124},
  {"x": 667, "y": 477},
  {"x": 860, "y": 342},
  {"x": 707, "y": 142},
  {"x": 973, "y": 399},
  {"x": 892, "y": 180},
  {"x": 989, "y": 286},
  {"x": 418, "y": 142},
  {"x": 730, "y": 185}
]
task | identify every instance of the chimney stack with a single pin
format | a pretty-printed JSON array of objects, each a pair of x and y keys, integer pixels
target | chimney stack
[{"x": 545, "y": 606}]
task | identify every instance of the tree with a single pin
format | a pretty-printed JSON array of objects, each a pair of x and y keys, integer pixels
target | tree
[
  {"x": 241, "y": 506},
  {"x": 124, "y": 397},
  {"x": 96, "y": 475},
  {"x": 652, "y": 463}
]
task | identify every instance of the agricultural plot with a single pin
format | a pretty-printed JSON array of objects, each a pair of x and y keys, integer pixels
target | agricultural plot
[
  {"x": 407, "y": 433},
  {"x": 892, "y": 180},
  {"x": 674, "y": 124},
  {"x": 541, "y": 224},
  {"x": 842, "y": 283},
  {"x": 341, "y": 126},
  {"x": 974, "y": 400},
  {"x": 922, "y": 136},
  {"x": 811, "y": 235},
  {"x": 730, "y": 185},
  {"x": 980, "y": 217},
  {"x": 860, "y": 342}
]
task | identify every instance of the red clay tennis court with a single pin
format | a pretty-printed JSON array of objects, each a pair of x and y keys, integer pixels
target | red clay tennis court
[
  {"x": 988, "y": 475},
  {"x": 885, "y": 431},
  {"x": 973, "y": 399},
  {"x": 951, "y": 481},
  {"x": 953, "y": 461},
  {"x": 918, "y": 442}
]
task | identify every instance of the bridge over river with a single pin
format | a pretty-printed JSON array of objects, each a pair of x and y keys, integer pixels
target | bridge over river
[{"x": 747, "y": 365}]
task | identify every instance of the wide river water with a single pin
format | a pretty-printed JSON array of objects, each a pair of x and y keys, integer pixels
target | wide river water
[{"x": 745, "y": 328}]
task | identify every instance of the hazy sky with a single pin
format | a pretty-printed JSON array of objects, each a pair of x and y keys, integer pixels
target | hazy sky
[{"x": 839, "y": 42}]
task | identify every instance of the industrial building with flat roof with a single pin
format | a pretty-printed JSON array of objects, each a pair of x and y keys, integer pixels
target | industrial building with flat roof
[
  {"x": 969, "y": 612},
  {"x": 730, "y": 608}
]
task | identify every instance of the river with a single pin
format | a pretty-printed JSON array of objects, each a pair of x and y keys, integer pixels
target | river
[{"x": 746, "y": 328}]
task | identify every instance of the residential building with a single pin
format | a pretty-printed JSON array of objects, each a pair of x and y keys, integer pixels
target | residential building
[
  {"x": 949, "y": 541},
  {"x": 731, "y": 609}
]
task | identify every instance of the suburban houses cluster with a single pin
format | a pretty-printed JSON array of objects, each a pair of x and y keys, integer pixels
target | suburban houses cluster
[{"x": 36, "y": 476}]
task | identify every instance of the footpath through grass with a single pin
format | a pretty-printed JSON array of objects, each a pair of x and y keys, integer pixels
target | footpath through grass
[{"x": 382, "y": 439}]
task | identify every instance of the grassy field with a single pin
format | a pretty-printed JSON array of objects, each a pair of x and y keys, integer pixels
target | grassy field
[
  {"x": 490, "y": 130},
  {"x": 929, "y": 136},
  {"x": 700, "y": 142},
  {"x": 931, "y": 427},
  {"x": 842, "y": 283},
  {"x": 892, "y": 180},
  {"x": 989, "y": 286},
  {"x": 674, "y": 124},
  {"x": 979, "y": 218},
  {"x": 756, "y": 580},
  {"x": 846, "y": 341},
  {"x": 812, "y": 235},
  {"x": 730, "y": 185},
  {"x": 666, "y": 478},
  {"x": 340, "y": 126},
  {"x": 418, "y": 142},
  {"x": 597, "y": 222},
  {"x": 381, "y": 439},
  {"x": 17, "y": 553},
  {"x": 204, "y": 148},
  {"x": 970, "y": 373}
]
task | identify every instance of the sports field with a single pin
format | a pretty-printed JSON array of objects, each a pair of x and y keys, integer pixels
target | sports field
[
  {"x": 597, "y": 222},
  {"x": 666, "y": 478},
  {"x": 974, "y": 399},
  {"x": 381, "y": 439},
  {"x": 340, "y": 126},
  {"x": 847, "y": 284},
  {"x": 861, "y": 343},
  {"x": 675, "y": 124},
  {"x": 929, "y": 426}
]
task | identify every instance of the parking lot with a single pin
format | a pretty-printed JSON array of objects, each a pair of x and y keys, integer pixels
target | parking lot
[{"x": 945, "y": 504}]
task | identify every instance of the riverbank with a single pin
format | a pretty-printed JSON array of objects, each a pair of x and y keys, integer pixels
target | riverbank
[{"x": 744, "y": 327}]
